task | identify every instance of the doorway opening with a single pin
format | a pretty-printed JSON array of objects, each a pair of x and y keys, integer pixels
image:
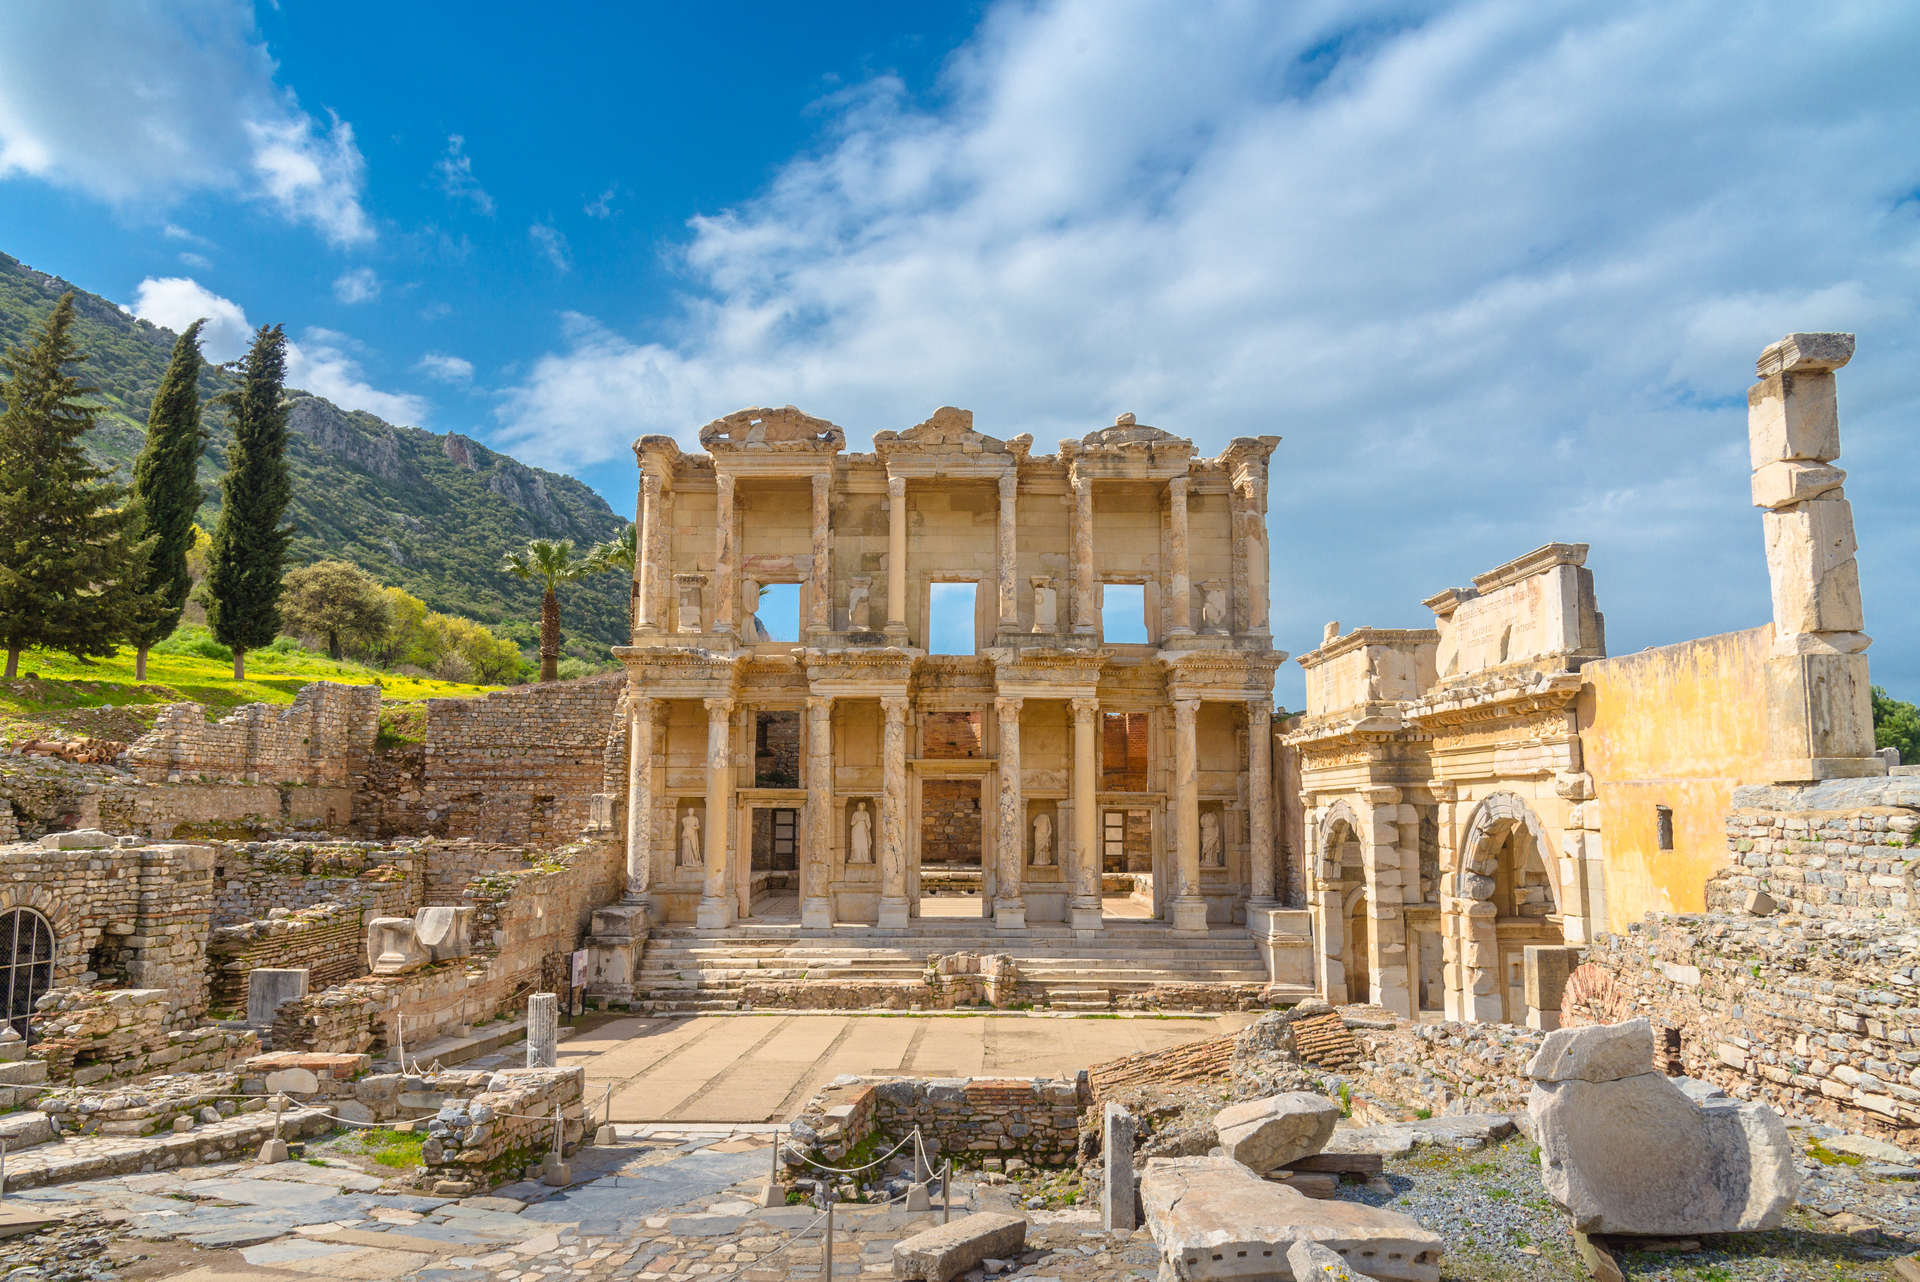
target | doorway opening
[
  {"x": 1126, "y": 862},
  {"x": 952, "y": 878},
  {"x": 774, "y": 858}
]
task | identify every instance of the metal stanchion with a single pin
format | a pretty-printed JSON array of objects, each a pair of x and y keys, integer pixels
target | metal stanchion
[
  {"x": 946, "y": 1193},
  {"x": 826, "y": 1243},
  {"x": 3, "y": 1168}
]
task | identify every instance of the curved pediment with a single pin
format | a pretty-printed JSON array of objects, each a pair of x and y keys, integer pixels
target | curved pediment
[
  {"x": 785, "y": 429},
  {"x": 1127, "y": 432}
]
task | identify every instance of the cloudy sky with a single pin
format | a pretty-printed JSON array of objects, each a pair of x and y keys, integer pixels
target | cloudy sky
[{"x": 1496, "y": 272}]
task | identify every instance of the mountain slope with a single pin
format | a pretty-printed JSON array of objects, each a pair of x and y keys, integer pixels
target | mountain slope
[{"x": 430, "y": 513}]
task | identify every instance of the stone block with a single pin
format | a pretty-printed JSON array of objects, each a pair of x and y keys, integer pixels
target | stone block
[
  {"x": 1810, "y": 561},
  {"x": 1819, "y": 718},
  {"x": 1312, "y": 1262},
  {"x": 1793, "y": 416},
  {"x": 1265, "y": 1134},
  {"x": 393, "y": 947},
  {"x": 1787, "y": 482},
  {"x": 78, "y": 839},
  {"x": 1596, "y": 1053},
  {"x": 1805, "y": 352},
  {"x": 443, "y": 932},
  {"x": 944, "y": 1253},
  {"x": 1545, "y": 970},
  {"x": 1119, "y": 1195},
  {"x": 268, "y": 989},
  {"x": 1214, "y": 1218}
]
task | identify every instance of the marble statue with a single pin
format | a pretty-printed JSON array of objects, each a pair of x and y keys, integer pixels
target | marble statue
[
  {"x": 689, "y": 605},
  {"x": 754, "y": 631},
  {"x": 859, "y": 593},
  {"x": 1212, "y": 853},
  {"x": 1213, "y": 607},
  {"x": 1046, "y": 606},
  {"x": 860, "y": 841},
  {"x": 690, "y": 851},
  {"x": 1043, "y": 840}
]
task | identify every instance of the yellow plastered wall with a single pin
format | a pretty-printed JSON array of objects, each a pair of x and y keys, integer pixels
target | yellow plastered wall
[{"x": 1679, "y": 726}]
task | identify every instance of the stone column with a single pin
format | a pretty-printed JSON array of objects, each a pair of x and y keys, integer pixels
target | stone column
[
  {"x": 897, "y": 560},
  {"x": 1009, "y": 904},
  {"x": 543, "y": 1029},
  {"x": 640, "y": 800},
  {"x": 893, "y": 813},
  {"x": 1380, "y": 857},
  {"x": 1119, "y": 1198},
  {"x": 820, "y": 615},
  {"x": 726, "y": 587},
  {"x": 646, "y": 564},
  {"x": 716, "y": 892},
  {"x": 1189, "y": 907},
  {"x": 1086, "y": 620},
  {"x": 1085, "y": 912},
  {"x": 1251, "y": 522},
  {"x": 816, "y": 857},
  {"x": 1260, "y": 802},
  {"x": 1179, "y": 589},
  {"x": 1006, "y": 554}
]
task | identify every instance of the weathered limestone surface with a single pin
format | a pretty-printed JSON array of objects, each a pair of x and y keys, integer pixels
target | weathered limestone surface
[
  {"x": 943, "y": 1253},
  {"x": 1624, "y": 1149},
  {"x": 1214, "y": 1218},
  {"x": 1119, "y": 1192},
  {"x": 1314, "y": 1262},
  {"x": 1265, "y": 1134}
]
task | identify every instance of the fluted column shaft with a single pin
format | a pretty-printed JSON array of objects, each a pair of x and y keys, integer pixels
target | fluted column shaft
[
  {"x": 640, "y": 722},
  {"x": 1085, "y": 617},
  {"x": 893, "y": 812},
  {"x": 1189, "y": 908},
  {"x": 716, "y": 897},
  {"x": 1179, "y": 587},
  {"x": 1009, "y": 902},
  {"x": 726, "y": 587},
  {"x": 1260, "y": 800},
  {"x": 1085, "y": 914},
  {"x": 897, "y": 558},
  {"x": 816, "y": 858},
  {"x": 819, "y": 614},
  {"x": 1007, "y": 553}
]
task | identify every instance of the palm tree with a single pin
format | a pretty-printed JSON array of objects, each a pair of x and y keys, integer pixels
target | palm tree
[
  {"x": 621, "y": 552},
  {"x": 552, "y": 562}
]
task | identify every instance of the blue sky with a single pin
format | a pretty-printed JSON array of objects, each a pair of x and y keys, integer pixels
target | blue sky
[{"x": 1496, "y": 272}]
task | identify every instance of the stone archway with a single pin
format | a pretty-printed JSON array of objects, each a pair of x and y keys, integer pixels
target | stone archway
[
  {"x": 1339, "y": 886},
  {"x": 1502, "y": 896}
]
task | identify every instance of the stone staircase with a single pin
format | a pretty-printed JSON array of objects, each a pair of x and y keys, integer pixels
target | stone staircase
[
  {"x": 22, "y": 1125},
  {"x": 687, "y": 970}
]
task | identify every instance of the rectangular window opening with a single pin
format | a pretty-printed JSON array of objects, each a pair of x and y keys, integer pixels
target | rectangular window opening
[
  {"x": 779, "y": 611},
  {"x": 1663, "y": 825},
  {"x": 776, "y": 750},
  {"x": 950, "y": 618},
  {"x": 1123, "y": 613},
  {"x": 1123, "y": 751}
]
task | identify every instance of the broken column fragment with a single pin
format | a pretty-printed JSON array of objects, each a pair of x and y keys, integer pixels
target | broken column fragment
[{"x": 1265, "y": 1134}]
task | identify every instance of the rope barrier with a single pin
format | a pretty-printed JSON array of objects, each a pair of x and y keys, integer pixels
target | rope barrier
[{"x": 849, "y": 1170}]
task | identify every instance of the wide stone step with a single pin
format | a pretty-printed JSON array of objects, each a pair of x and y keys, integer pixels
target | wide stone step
[{"x": 25, "y": 1072}]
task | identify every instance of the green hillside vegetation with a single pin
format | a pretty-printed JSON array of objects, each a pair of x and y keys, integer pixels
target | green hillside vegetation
[{"x": 428, "y": 513}]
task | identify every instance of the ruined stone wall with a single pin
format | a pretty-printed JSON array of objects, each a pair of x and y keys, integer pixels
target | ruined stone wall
[
  {"x": 452, "y": 865},
  {"x": 968, "y": 1119},
  {"x": 327, "y": 939},
  {"x": 525, "y": 926},
  {"x": 325, "y": 737},
  {"x": 90, "y": 1035},
  {"x": 520, "y": 765},
  {"x": 252, "y": 879},
  {"x": 1448, "y": 1067},
  {"x": 509, "y": 1126},
  {"x": 950, "y": 821}
]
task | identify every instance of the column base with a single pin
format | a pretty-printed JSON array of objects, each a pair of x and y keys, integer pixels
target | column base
[
  {"x": 816, "y": 913},
  {"x": 1085, "y": 919},
  {"x": 713, "y": 914},
  {"x": 1010, "y": 914},
  {"x": 1189, "y": 914},
  {"x": 893, "y": 912},
  {"x": 896, "y": 633}
]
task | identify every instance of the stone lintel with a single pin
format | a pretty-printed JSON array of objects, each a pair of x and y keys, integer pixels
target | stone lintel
[
  {"x": 1391, "y": 638},
  {"x": 1808, "y": 352}
]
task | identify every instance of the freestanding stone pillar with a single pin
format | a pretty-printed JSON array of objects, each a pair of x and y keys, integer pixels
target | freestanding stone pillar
[
  {"x": 896, "y": 560},
  {"x": 893, "y": 813},
  {"x": 1260, "y": 802},
  {"x": 1086, "y": 621},
  {"x": 1006, "y": 554},
  {"x": 1385, "y": 868},
  {"x": 649, "y": 550},
  {"x": 1189, "y": 907},
  {"x": 726, "y": 587},
  {"x": 543, "y": 1030},
  {"x": 640, "y": 821},
  {"x": 820, "y": 591},
  {"x": 716, "y": 894},
  {"x": 1119, "y": 1198},
  {"x": 816, "y": 857},
  {"x": 1085, "y": 912},
  {"x": 1009, "y": 901},
  {"x": 1179, "y": 588}
]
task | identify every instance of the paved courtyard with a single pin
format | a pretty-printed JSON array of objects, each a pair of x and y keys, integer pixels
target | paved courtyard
[{"x": 761, "y": 1068}]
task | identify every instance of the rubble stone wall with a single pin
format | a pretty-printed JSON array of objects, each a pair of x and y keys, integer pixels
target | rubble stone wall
[
  {"x": 89, "y": 1035},
  {"x": 254, "y": 878},
  {"x": 520, "y": 765},
  {"x": 325, "y": 737},
  {"x": 328, "y": 939},
  {"x": 965, "y": 1118},
  {"x": 508, "y": 1126}
]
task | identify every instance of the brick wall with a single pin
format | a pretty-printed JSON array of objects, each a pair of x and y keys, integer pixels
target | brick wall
[
  {"x": 329, "y": 940},
  {"x": 950, "y": 734},
  {"x": 950, "y": 821},
  {"x": 325, "y": 737}
]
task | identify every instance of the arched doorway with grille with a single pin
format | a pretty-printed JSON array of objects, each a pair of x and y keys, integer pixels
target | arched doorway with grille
[{"x": 26, "y": 963}]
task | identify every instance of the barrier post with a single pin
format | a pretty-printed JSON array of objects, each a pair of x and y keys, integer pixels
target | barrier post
[{"x": 826, "y": 1243}]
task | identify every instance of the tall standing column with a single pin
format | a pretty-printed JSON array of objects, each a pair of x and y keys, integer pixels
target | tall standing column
[
  {"x": 716, "y": 894},
  {"x": 1178, "y": 586},
  {"x": 726, "y": 588},
  {"x": 1085, "y": 620},
  {"x": 640, "y": 800},
  {"x": 1085, "y": 913},
  {"x": 819, "y": 615},
  {"x": 635, "y": 588},
  {"x": 816, "y": 857},
  {"x": 1009, "y": 902},
  {"x": 1260, "y": 802},
  {"x": 1007, "y": 553},
  {"x": 647, "y": 553},
  {"x": 897, "y": 560},
  {"x": 1189, "y": 907},
  {"x": 893, "y": 812}
]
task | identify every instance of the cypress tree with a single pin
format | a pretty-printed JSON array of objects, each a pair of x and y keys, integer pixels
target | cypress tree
[
  {"x": 167, "y": 489},
  {"x": 249, "y": 543},
  {"x": 68, "y": 557}
]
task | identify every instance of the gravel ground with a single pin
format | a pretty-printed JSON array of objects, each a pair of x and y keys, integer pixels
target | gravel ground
[{"x": 1501, "y": 1227}]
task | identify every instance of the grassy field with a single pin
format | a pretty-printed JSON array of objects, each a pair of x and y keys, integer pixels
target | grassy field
[{"x": 58, "y": 695}]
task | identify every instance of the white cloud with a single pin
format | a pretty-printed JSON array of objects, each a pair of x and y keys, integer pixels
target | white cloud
[
  {"x": 323, "y": 361},
  {"x": 199, "y": 262},
  {"x": 175, "y": 302},
  {"x": 145, "y": 102},
  {"x": 445, "y": 368},
  {"x": 1477, "y": 266},
  {"x": 360, "y": 285},
  {"x": 550, "y": 242},
  {"x": 601, "y": 206},
  {"x": 455, "y": 172}
]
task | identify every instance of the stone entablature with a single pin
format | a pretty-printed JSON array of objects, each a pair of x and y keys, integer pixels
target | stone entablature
[{"x": 866, "y": 537}]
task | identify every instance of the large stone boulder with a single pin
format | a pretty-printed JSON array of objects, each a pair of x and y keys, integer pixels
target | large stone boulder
[
  {"x": 1624, "y": 1149},
  {"x": 1214, "y": 1218},
  {"x": 1265, "y": 1134}
]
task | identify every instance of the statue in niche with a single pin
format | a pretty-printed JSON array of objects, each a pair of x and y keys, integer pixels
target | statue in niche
[
  {"x": 690, "y": 852},
  {"x": 859, "y": 613},
  {"x": 690, "y": 605},
  {"x": 1213, "y": 607},
  {"x": 754, "y": 631},
  {"x": 1046, "y": 607},
  {"x": 1213, "y": 852},
  {"x": 860, "y": 838},
  {"x": 1043, "y": 840}
]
